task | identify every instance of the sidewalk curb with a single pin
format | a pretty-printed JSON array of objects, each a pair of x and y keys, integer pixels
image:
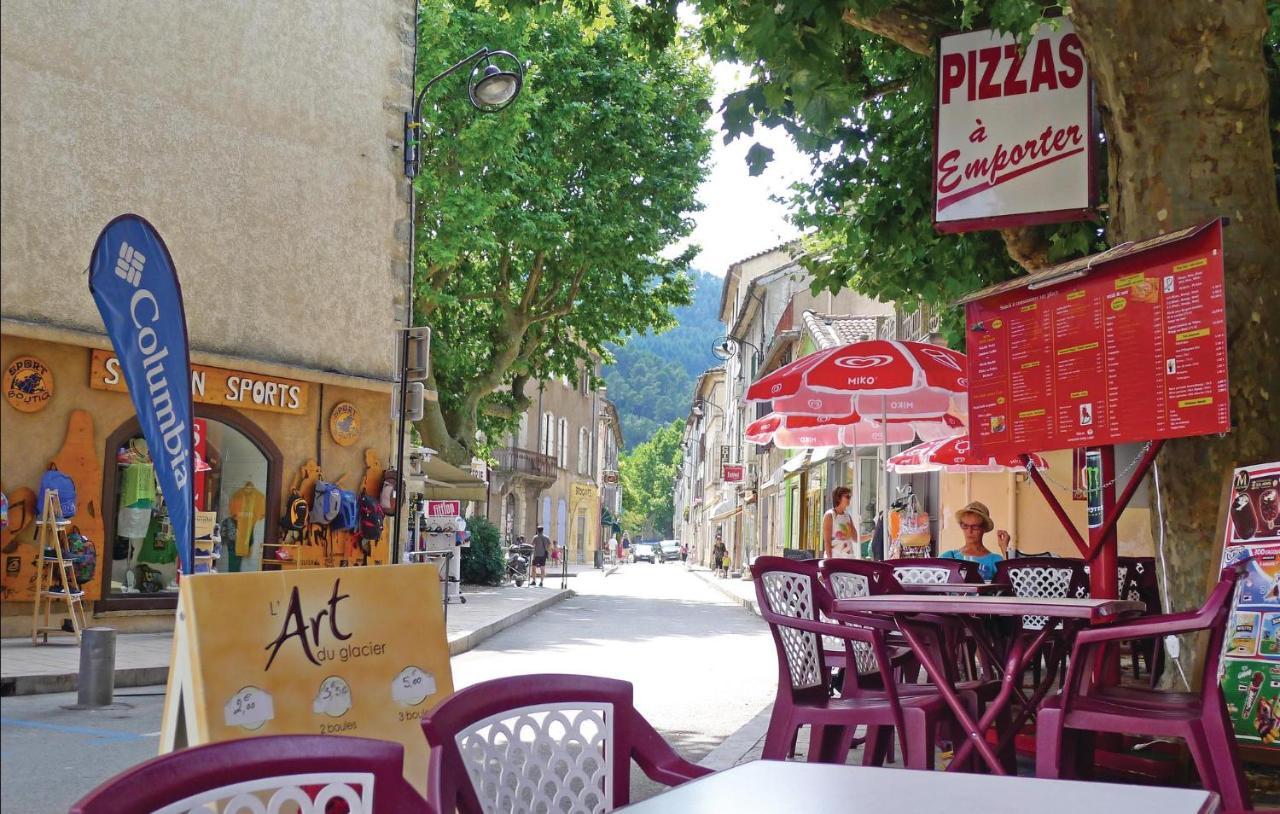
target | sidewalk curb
[
  {"x": 463, "y": 642},
  {"x": 151, "y": 676},
  {"x": 716, "y": 583},
  {"x": 741, "y": 743}
]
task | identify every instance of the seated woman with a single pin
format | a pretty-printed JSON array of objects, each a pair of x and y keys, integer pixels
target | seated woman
[{"x": 975, "y": 521}]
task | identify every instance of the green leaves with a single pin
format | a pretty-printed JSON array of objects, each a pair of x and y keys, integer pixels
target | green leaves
[
  {"x": 758, "y": 157},
  {"x": 541, "y": 230},
  {"x": 647, "y": 474}
]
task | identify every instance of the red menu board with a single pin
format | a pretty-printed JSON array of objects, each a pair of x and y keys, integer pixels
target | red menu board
[{"x": 1130, "y": 347}]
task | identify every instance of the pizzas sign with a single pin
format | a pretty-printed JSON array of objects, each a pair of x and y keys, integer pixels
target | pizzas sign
[{"x": 1014, "y": 141}]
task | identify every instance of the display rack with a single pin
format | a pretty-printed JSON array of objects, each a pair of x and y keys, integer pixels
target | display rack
[
  {"x": 435, "y": 539},
  {"x": 56, "y": 578}
]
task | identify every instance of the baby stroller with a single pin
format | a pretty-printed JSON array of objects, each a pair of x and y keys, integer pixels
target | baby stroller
[{"x": 519, "y": 555}]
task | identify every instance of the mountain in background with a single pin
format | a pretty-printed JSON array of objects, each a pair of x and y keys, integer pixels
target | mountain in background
[{"x": 651, "y": 380}]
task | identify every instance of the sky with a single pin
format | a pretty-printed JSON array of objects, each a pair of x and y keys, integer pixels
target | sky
[{"x": 739, "y": 219}]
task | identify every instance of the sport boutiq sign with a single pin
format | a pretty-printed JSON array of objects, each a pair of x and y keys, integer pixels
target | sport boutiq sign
[{"x": 1014, "y": 141}]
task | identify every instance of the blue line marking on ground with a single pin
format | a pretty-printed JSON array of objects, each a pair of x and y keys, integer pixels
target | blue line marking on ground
[{"x": 102, "y": 734}]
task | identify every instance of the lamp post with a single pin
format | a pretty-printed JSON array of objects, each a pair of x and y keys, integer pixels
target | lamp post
[{"x": 490, "y": 88}]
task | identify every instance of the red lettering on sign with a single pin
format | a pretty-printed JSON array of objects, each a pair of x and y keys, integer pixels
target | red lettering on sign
[
  {"x": 952, "y": 75},
  {"x": 1013, "y": 86},
  {"x": 988, "y": 88},
  {"x": 1071, "y": 54},
  {"x": 1042, "y": 70}
]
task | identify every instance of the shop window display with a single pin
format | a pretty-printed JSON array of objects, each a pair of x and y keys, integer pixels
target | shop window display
[{"x": 230, "y": 479}]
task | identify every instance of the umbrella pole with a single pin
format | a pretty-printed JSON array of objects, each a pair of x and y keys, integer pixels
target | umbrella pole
[{"x": 884, "y": 452}]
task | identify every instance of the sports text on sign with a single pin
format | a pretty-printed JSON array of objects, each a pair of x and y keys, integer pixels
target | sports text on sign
[
  {"x": 1134, "y": 351},
  {"x": 215, "y": 385},
  {"x": 1014, "y": 140}
]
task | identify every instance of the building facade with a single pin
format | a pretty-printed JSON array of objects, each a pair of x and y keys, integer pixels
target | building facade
[
  {"x": 551, "y": 471},
  {"x": 770, "y": 317},
  {"x": 266, "y": 150}
]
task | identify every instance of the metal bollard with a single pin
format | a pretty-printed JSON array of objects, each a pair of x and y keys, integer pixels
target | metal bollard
[{"x": 97, "y": 683}]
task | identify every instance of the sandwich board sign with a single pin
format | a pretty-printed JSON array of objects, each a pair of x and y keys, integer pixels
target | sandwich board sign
[{"x": 340, "y": 651}]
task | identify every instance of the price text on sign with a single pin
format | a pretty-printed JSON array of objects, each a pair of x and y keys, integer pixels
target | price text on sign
[
  {"x": 1136, "y": 350},
  {"x": 443, "y": 508},
  {"x": 1014, "y": 142}
]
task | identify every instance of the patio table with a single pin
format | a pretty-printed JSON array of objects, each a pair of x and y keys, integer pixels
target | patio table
[
  {"x": 1071, "y": 613},
  {"x": 775, "y": 786},
  {"x": 955, "y": 588}
]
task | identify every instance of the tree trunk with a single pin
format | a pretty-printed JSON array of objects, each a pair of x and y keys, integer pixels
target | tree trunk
[{"x": 1182, "y": 90}]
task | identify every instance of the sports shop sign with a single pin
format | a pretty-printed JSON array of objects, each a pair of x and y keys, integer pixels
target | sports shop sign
[
  {"x": 1014, "y": 142},
  {"x": 215, "y": 385}
]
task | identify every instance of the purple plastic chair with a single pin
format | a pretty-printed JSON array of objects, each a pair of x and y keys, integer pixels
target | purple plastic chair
[
  {"x": 791, "y": 600},
  {"x": 1067, "y": 720},
  {"x": 315, "y": 773},
  {"x": 1050, "y": 577},
  {"x": 541, "y": 743},
  {"x": 1141, "y": 584},
  {"x": 935, "y": 571}
]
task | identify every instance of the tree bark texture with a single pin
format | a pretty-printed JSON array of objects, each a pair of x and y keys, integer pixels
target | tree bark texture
[{"x": 1182, "y": 91}]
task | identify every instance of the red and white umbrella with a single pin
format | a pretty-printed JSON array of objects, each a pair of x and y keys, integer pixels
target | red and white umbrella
[
  {"x": 802, "y": 432},
  {"x": 955, "y": 455},
  {"x": 878, "y": 378}
]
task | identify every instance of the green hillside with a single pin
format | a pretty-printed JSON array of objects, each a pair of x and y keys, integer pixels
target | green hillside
[{"x": 652, "y": 379}]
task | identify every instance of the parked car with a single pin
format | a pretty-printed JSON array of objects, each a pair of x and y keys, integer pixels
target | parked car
[
  {"x": 670, "y": 550},
  {"x": 644, "y": 552}
]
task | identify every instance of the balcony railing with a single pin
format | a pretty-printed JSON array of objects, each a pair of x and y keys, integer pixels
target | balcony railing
[{"x": 526, "y": 462}]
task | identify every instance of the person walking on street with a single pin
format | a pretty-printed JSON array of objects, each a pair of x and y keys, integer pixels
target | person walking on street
[
  {"x": 839, "y": 534},
  {"x": 684, "y": 552},
  {"x": 541, "y": 547},
  {"x": 717, "y": 556}
]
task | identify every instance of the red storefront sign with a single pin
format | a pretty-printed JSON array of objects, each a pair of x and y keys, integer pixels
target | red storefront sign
[
  {"x": 732, "y": 473},
  {"x": 1131, "y": 347},
  {"x": 443, "y": 508}
]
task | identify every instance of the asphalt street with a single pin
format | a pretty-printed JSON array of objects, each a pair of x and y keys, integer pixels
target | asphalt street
[{"x": 702, "y": 667}]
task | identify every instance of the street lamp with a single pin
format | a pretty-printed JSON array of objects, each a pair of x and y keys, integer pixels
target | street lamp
[
  {"x": 700, "y": 405},
  {"x": 490, "y": 88},
  {"x": 726, "y": 347}
]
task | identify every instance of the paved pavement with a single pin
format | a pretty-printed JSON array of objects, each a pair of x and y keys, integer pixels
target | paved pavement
[
  {"x": 142, "y": 659},
  {"x": 702, "y": 668}
]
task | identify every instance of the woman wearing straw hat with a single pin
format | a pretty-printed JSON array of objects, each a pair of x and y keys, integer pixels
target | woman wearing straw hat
[{"x": 975, "y": 521}]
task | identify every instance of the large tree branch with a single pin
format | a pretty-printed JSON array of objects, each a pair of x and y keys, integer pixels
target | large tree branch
[
  {"x": 914, "y": 32},
  {"x": 531, "y": 286},
  {"x": 1028, "y": 246},
  {"x": 550, "y": 309}
]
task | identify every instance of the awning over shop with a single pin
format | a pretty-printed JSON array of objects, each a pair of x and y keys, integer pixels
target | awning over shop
[
  {"x": 796, "y": 462},
  {"x": 447, "y": 482},
  {"x": 724, "y": 508},
  {"x": 607, "y": 519}
]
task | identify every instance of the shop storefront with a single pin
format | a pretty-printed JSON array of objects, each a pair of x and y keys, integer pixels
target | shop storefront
[{"x": 260, "y": 437}]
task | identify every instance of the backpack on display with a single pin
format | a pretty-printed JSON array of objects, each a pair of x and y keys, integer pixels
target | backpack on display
[
  {"x": 390, "y": 495},
  {"x": 64, "y": 486},
  {"x": 327, "y": 504},
  {"x": 371, "y": 519},
  {"x": 348, "y": 518},
  {"x": 84, "y": 555},
  {"x": 295, "y": 515}
]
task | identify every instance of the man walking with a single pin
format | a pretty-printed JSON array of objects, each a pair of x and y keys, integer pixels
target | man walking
[{"x": 541, "y": 545}]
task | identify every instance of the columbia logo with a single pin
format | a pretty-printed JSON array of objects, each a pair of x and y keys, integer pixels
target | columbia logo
[{"x": 129, "y": 264}]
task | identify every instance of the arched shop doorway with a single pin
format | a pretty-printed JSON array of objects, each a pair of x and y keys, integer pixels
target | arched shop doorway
[
  {"x": 509, "y": 517},
  {"x": 237, "y": 479}
]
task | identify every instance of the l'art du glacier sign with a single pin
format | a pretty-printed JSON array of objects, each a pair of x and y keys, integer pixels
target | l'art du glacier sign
[{"x": 1014, "y": 141}]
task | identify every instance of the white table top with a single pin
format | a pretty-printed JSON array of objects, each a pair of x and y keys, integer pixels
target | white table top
[
  {"x": 778, "y": 787},
  {"x": 991, "y": 605}
]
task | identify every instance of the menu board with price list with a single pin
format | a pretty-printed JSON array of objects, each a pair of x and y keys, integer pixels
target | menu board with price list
[{"x": 1129, "y": 345}]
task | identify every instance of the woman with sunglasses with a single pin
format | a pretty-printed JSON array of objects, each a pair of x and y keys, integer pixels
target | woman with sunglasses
[{"x": 975, "y": 521}]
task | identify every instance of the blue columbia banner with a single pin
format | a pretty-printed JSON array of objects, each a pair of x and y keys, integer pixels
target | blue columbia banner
[{"x": 133, "y": 281}]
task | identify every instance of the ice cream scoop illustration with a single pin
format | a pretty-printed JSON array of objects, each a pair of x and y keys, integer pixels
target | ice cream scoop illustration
[
  {"x": 334, "y": 697},
  {"x": 412, "y": 686}
]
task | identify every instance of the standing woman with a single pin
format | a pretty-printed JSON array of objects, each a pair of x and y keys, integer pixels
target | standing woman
[{"x": 839, "y": 534}]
